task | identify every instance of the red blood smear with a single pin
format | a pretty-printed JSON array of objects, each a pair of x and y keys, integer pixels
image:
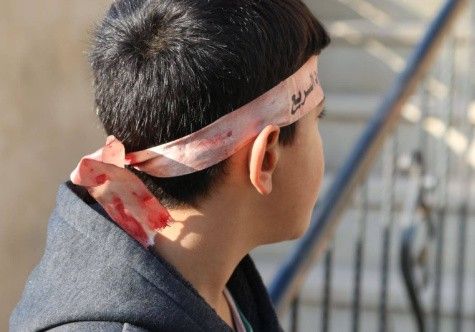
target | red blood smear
[
  {"x": 127, "y": 222},
  {"x": 130, "y": 159},
  {"x": 215, "y": 140},
  {"x": 100, "y": 179},
  {"x": 159, "y": 219},
  {"x": 157, "y": 215},
  {"x": 230, "y": 133}
]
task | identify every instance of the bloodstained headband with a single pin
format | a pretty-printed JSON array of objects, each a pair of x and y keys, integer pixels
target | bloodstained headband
[{"x": 126, "y": 198}]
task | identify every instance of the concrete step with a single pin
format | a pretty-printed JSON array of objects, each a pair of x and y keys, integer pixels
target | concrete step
[
  {"x": 373, "y": 68},
  {"x": 348, "y": 116},
  {"x": 331, "y": 10},
  {"x": 377, "y": 10},
  {"x": 268, "y": 259},
  {"x": 401, "y": 33},
  {"x": 361, "y": 31},
  {"x": 360, "y": 108},
  {"x": 345, "y": 244},
  {"x": 350, "y": 224},
  {"x": 310, "y": 320},
  {"x": 342, "y": 289},
  {"x": 350, "y": 107},
  {"x": 348, "y": 70},
  {"x": 380, "y": 50},
  {"x": 339, "y": 138}
]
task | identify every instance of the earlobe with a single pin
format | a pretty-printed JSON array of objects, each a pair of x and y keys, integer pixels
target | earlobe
[{"x": 263, "y": 159}]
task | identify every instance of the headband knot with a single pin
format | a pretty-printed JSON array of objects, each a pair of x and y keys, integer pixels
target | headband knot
[{"x": 121, "y": 193}]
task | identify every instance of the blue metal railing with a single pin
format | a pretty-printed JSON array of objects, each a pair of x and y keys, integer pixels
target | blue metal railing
[{"x": 286, "y": 284}]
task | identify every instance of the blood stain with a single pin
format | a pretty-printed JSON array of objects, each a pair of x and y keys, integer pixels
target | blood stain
[
  {"x": 130, "y": 160},
  {"x": 100, "y": 179},
  {"x": 127, "y": 222}
]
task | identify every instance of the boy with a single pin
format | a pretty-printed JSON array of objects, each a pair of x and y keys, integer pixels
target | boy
[{"x": 212, "y": 110}]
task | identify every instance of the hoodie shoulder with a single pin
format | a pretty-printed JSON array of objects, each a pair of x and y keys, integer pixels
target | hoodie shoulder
[
  {"x": 96, "y": 327},
  {"x": 92, "y": 270}
]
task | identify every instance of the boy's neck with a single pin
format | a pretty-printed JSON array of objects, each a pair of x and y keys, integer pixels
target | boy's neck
[{"x": 205, "y": 247}]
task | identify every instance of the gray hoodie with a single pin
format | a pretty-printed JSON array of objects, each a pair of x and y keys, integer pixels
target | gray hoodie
[{"x": 94, "y": 277}]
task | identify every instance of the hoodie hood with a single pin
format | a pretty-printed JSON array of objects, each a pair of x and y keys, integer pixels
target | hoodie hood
[{"x": 92, "y": 270}]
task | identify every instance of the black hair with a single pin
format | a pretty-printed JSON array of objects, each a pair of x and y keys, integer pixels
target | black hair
[{"x": 163, "y": 69}]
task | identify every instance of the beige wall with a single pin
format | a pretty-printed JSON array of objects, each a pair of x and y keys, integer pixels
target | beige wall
[{"x": 47, "y": 123}]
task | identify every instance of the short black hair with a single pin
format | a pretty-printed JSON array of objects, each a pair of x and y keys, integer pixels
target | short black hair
[{"x": 163, "y": 69}]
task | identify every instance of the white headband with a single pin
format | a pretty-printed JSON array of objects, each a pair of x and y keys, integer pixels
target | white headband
[{"x": 126, "y": 198}]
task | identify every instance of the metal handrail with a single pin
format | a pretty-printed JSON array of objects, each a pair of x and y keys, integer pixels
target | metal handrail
[{"x": 288, "y": 280}]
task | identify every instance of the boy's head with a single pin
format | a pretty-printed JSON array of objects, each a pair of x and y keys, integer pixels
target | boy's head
[{"x": 166, "y": 68}]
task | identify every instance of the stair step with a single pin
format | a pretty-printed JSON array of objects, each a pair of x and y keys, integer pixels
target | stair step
[
  {"x": 360, "y": 31},
  {"x": 342, "y": 289},
  {"x": 457, "y": 190},
  {"x": 360, "y": 107},
  {"x": 371, "y": 71},
  {"x": 330, "y": 10},
  {"x": 348, "y": 228},
  {"x": 371, "y": 9},
  {"x": 400, "y": 33},
  {"x": 350, "y": 107},
  {"x": 346, "y": 236},
  {"x": 341, "y": 320},
  {"x": 341, "y": 129},
  {"x": 310, "y": 320}
]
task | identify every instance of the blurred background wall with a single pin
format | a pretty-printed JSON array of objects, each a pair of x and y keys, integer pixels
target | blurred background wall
[{"x": 47, "y": 123}]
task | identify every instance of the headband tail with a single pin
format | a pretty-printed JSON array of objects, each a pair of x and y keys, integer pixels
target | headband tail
[{"x": 121, "y": 193}]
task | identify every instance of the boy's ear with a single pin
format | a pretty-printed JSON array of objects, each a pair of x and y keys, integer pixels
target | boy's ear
[{"x": 263, "y": 158}]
